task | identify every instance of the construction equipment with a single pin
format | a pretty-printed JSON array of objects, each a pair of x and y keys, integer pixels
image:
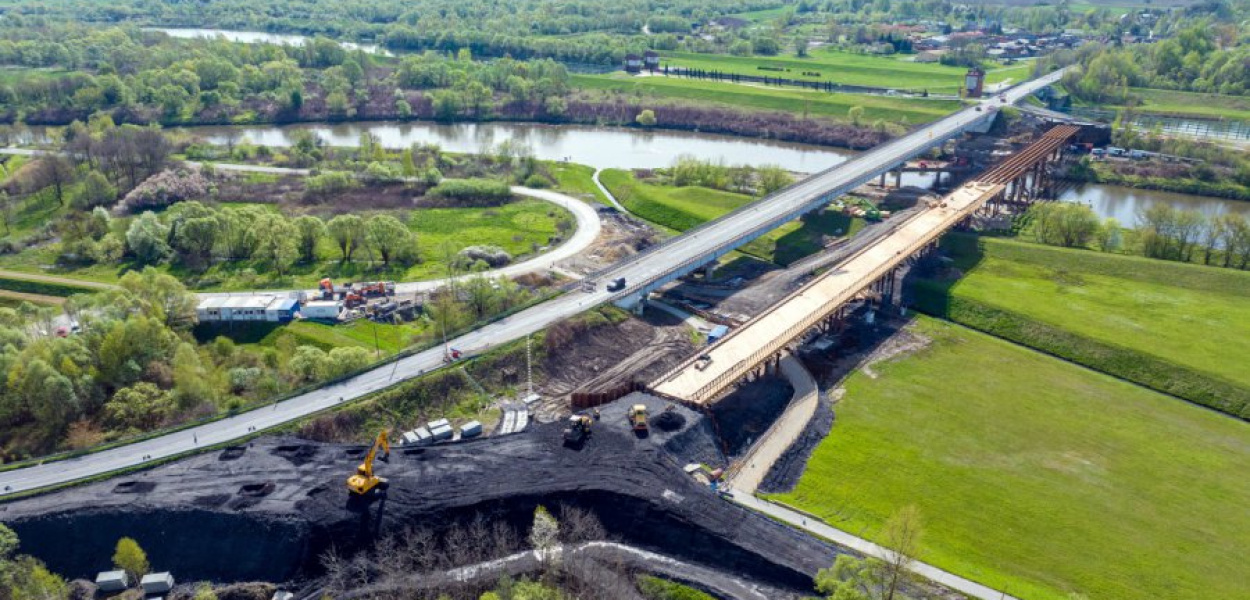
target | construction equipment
[
  {"x": 638, "y": 417},
  {"x": 377, "y": 288},
  {"x": 578, "y": 430},
  {"x": 364, "y": 481}
]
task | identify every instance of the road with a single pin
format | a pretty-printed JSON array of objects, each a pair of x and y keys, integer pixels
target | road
[
  {"x": 660, "y": 262},
  {"x": 751, "y": 470}
]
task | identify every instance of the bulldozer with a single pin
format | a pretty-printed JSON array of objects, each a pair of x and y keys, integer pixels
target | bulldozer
[
  {"x": 638, "y": 418},
  {"x": 578, "y": 430},
  {"x": 364, "y": 482}
]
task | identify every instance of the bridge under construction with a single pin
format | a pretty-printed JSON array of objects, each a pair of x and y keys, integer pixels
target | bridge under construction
[{"x": 758, "y": 344}]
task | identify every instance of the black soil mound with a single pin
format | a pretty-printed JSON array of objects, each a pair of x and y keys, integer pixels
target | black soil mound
[
  {"x": 287, "y": 505},
  {"x": 134, "y": 487},
  {"x": 232, "y": 453},
  {"x": 669, "y": 421}
]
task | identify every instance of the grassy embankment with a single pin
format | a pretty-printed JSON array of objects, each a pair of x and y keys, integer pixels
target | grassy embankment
[
  {"x": 791, "y": 100},
  {"x": 1177, "y": 328},
  {"x": 681, "y": 208},
  {"x": 850, "y": 69},
  {"x": 516, "y": 227},
  {"x": 1037, "y": 477},
  {"x": 1173, "y": 102}
]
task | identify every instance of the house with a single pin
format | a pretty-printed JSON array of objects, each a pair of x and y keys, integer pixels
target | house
[
  {"x": 633, "y": 63},
  {"x": 651, "y": 60}
]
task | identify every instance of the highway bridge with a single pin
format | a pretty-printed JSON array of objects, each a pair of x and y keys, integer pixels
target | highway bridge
[
  {"x": 1018, "y": 180},
  {"x": 643, "y": 273}
]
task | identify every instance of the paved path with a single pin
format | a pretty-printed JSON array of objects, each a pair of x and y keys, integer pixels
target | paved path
[
  {"x": 749, "y": 473},
  {"x": 863, "y": 546},
  {"x": 82, "y": 283},
  {"x": 588, "y": 227},
  {"x": 607, "y": 193}
]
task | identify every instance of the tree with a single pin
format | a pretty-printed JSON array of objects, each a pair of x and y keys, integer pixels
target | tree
[
  {"x": 276, "y": 241},
  {"x": 140, "y": 407},
  {"x": 1109, "y": 235},
  {"x": 1064, "y": 224},
  {"x": 311, "y": 230},
  {"x": 544, "y": 533},
  {"x": 856, "y": 115},
  {"x": 349, "y": 359},
  {"x": 195, "y": 239},
  {"x": 308, "y": 364},
  {"x": 130, "y": 558},
  {"x": 901, "y": 536},
  {"x": 54, "y": 171},
  {"x": 348, "y": 231},
  {"x": 161, "y": 296},
  {"x": 96, "y": 191},
  {"x": 773, "y": 178},
  {"x": 388, "y": 236},
  {"x": 148, "y": 239},
  {"x": 646, "y": 118}
]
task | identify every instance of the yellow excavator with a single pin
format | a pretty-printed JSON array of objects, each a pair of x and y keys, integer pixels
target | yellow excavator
[{"x": 364, "y": 481}]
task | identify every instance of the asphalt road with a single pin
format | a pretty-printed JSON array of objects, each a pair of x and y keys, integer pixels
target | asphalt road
[{"x": 645, "y": 267}]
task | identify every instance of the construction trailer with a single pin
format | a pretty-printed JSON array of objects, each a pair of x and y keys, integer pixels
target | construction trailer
[
  {"x": 248, "y": 308},
  {"x": 112, "y": 581},
  {"x": 157, "y": 583},
  {"x": 323, "y": 310}
]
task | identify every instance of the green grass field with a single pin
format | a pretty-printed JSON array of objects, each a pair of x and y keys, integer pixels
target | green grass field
[
  {"x": 681, "y": 208},
  {"x": 577, "y": 181},
  {"x": 1038, "y": 477},
  {"x": 1172, "y": 102},
  {"x": 515, "y": 227},
  {"x": 792, "y": 100},
  {"x": 1187, "y": 314},
  {"x": 850, "y": 69}
]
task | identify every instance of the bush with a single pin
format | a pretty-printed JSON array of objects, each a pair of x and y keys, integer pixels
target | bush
[
  {"x": 470, "y": 192},
  {"x": 165, "y": 189},
  {"x": 537, "y": 181},
  {"x": 329, "y": 182},
  {"x": 493, "y": 256}
]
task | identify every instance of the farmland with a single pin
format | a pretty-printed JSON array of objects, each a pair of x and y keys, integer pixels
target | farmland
[
  {"x": 791, "y": 100},
  {"x": 848, "y": 69},
  {"x": 1038, "y": 477}
]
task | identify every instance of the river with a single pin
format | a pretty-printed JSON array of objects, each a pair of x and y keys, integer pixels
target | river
[
  {"x": 620, "y": 148},
  {"x": 257, "y": 37}
]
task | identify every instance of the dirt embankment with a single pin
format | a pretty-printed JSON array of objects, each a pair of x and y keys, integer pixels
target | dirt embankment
[{"x": 269, "y": 510}]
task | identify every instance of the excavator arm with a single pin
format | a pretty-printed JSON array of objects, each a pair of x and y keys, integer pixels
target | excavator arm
[{"x": 364, "y": 480}]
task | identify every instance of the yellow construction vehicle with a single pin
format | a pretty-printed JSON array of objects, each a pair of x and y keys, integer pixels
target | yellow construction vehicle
[
  {"x": 578, "y": 430},
  {"x": 638, "y": 418},
  {"x": 364, "y": 481}
]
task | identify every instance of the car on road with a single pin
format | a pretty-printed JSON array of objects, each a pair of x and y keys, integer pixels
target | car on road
[{"x": 616, "y": 285}]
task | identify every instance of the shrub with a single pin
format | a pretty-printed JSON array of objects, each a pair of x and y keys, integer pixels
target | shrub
[
  {"x": 165, "y": 189},
  {"x": 469, "y": 192},
  {"x": 491, "y": 255}
]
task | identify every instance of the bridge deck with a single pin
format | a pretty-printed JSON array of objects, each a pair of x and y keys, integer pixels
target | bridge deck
[{"x": 745, "y": 348}]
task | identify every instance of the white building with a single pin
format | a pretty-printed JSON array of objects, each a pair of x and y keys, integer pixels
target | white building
[{"x": 253, "y": 307}]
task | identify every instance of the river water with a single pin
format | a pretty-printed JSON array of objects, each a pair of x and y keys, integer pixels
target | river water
[
  {"x": 620, "y": 148},
  {"x": 256, "y": 37}
]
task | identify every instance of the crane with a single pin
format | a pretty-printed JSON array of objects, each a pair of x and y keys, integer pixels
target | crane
[{"x": 364, "y": 481}]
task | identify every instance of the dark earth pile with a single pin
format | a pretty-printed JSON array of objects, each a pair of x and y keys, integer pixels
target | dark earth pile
[{"x": 269, "y": 512}]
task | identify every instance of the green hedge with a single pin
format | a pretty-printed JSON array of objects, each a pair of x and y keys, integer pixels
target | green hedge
[
  {"x": 45, "y": 288},
  {"x": 933, "y": 298}
]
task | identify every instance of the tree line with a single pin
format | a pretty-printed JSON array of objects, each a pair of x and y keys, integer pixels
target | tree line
[{"x": 1161, "y": 232}]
